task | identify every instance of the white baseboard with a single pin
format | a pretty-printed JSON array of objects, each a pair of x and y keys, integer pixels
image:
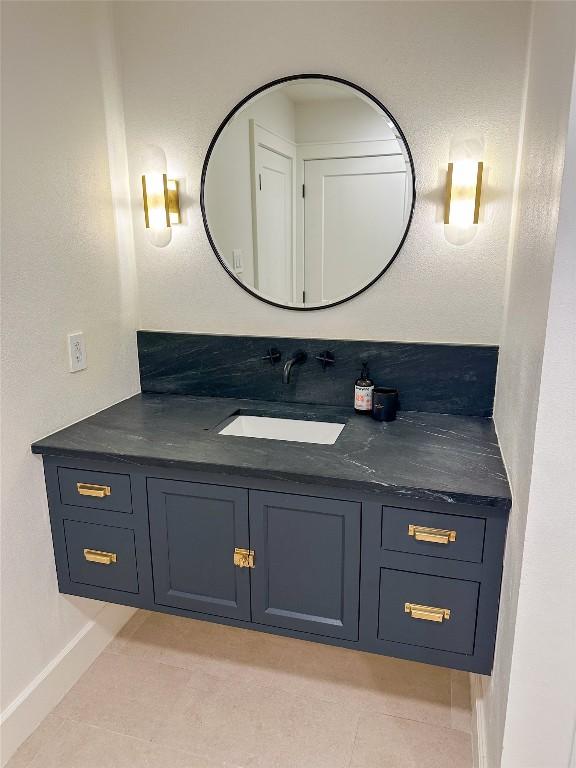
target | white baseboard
[
  {"x": 39, "y": 698},
  {"x": 479, "y": 750}
]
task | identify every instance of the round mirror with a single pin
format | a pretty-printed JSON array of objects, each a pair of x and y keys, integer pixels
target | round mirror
[{"x": 307, "y": 191}]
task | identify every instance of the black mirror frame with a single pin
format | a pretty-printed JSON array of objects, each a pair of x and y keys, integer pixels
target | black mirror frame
[{"x": 215, "y": 138}]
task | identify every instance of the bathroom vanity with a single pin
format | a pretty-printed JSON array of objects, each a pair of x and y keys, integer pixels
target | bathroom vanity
[
  {"x": 237, "y": 490},
  {"x": 389, "y": 540}
]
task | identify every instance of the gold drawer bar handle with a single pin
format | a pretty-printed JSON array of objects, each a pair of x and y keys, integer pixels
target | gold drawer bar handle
[
  {"x": 96, "y": 556},
  {"x": 243, "y": 558},
  {"x": 88, "y": 489},
  {"x": 435, "y": 535},
  {"x": 427, "y": 612}
]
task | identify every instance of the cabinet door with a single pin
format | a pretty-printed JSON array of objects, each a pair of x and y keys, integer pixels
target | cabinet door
[
  {"x": 307, "y": 563},
  {"x": 194, "y": 530}
]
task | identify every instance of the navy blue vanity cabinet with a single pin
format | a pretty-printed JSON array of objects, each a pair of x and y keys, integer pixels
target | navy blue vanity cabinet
[
  {"x": 411, "y": 578},
  {"x": 306, "y": 573},
  {"x": 431, "y": 583},
  {"x": 99, "y": 521},
  {"x": 197, "y": 534},
  {"x": 282, "y": 560}
]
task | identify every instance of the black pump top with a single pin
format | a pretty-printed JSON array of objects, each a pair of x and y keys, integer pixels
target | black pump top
[{"x": 364, "y": 380}]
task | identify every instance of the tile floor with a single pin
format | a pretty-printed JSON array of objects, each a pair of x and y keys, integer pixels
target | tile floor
[{"x": 175, "y": 693}]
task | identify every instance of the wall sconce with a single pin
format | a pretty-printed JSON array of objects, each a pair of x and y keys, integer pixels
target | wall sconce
[
  {"x": 463, "y": 194},
  {"x": 161, "y": 197},
  {"x": 161, "y": 201}
]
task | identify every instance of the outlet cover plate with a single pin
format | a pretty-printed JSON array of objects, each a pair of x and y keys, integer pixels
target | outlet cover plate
[{"x": 76, "y": 352}]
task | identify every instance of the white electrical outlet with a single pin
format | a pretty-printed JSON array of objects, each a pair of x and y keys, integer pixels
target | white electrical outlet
[
  {"x": 76, "y": 351},
  {"x": 237, "y": 265}
]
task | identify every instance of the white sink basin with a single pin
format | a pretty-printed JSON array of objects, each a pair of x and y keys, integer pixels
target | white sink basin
[{"x": 294, "y": 430}]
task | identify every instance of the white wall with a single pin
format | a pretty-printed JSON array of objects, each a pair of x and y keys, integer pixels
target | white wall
[
  {"x": 440, "y": 68},
  {"x": 541, "y": 716},
  {"x": 62, "y": 271},
  {"x": 531, "y": 648},
  {"x": 340, "y": 120}
]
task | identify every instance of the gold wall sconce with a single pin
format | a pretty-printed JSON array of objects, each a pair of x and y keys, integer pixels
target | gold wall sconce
[
  {"x": 463, "y": 193},
  {"x": 465, "y": 177},
  {"x": 161, "y": 197},
  {"x": 161, "y": 200}
]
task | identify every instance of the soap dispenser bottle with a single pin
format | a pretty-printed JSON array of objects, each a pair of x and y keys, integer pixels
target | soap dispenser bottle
[{"x": 363, "y": 389}]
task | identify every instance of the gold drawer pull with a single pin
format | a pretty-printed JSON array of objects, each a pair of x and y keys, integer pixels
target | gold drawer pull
[
  {"x": 243, "y": 558},
  {"x": 427, "y": 612},
  {"x": 88, "y": 489},
  {"x": 435, "y": 535},
  {"x": 96, "y": 556}
]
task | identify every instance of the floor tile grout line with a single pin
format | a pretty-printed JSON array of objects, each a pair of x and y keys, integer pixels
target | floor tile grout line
[
  {"x": 88, "y": 724},
  {"x": 418, "y": 722},
  {"x": 354, "y": 743},
  {"x": 148, "y": 742},
  {"x": 37, "y": 752},
  {"x": 469, "y": 709}
]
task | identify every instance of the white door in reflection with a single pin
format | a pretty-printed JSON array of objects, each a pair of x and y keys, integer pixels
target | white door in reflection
[
  {"x": 354, "y": 211},
  {"x": 273, "y": 225}
]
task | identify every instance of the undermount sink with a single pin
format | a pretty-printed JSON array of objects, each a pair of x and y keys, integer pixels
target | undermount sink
[{"x": 293, "y": 430}]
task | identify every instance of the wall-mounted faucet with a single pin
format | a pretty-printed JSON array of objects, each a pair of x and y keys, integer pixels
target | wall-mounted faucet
[{"x": 297, "y": 358}]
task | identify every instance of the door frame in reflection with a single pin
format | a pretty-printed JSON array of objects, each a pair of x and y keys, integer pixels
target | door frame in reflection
[
  {"x": 262, "y": 138},
  {"x": 222, "y": 126}
]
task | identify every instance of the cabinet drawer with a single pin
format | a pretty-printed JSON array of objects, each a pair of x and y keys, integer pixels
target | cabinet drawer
[
  {"x": 428, "y": 533},
  {"x": 431, "y": 611},
  {"x": 101, "y": 555},
  {"x": 101, "y": 490}
]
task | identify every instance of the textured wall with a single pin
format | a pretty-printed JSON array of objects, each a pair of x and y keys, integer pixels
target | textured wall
[
  {"x": 61, "y": 272},
  {"x": 440, "y": 68},
  {"x": 542, "y": 695},
  {"x": 519, "y": 374}
]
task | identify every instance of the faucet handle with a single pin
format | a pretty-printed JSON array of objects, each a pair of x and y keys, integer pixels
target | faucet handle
[
  {"x": 274, "y": 356},
  {"x": 326, "y": 359}
]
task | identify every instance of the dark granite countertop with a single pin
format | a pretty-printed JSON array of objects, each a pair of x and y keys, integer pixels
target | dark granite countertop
[{"x": 425, "y": 456}]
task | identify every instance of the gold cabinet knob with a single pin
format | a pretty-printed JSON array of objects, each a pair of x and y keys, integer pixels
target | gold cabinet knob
[{"x": 243, "y": 558}]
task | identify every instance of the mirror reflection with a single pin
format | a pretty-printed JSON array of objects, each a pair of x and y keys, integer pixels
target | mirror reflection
[{"x": 308, "y": 192}]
